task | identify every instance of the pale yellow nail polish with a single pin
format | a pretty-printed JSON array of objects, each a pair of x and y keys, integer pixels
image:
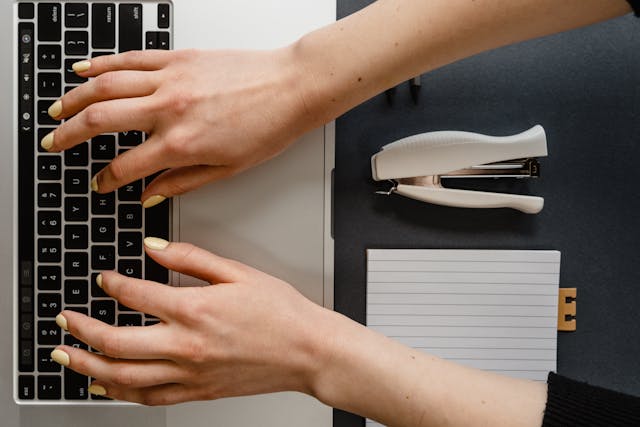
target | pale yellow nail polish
[
  {"x": 152, "y": 201},
  {"x": 98, "y": 390},
  {"x": 47, "y": 141},
  {"x": 60, "y": 357},
  {"x": 94, "y": 184},
  {"x": 99, "y": 280},
  {"x": 155, "y": 243},
  {"x": 81, "y": 66},
  {"x": 56, "y": 109},
  {"x": 62, "y": 322}
]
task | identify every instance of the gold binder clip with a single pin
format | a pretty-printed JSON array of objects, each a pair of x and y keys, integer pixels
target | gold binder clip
[{"x": 567, "y": 309}]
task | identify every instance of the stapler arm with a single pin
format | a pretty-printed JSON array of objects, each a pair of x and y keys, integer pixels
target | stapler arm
[{"x": 417, "y": 164}]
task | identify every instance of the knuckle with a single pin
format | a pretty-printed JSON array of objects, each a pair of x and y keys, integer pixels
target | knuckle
[
  {"x": 94, "y": 117},
  {"x": 195, "y": 350},
  {"x": 111, "y": 344},
  {"x": 123, "y": 376},
  {"x": 104, "y": 84},
  {"x": 117, "y": 170}
]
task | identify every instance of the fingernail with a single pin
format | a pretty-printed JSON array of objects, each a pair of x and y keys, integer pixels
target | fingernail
[
  {"x": 94, "y": 184},
  {"x": 62, "y": 322},
  {"x": 155, "y": 243},
  {"x": 152, "y": 201},
  {"x": 56, "y": 109},
  {"x": 99, "y": 280},
  {"x": 81, "y": 66},
  {"x": 47, "y": 141},
  {"x": 60, "y": 357},
  {"x": 98, "y": 390}
]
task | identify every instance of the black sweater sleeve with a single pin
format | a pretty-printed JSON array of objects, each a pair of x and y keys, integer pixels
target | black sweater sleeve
[
  {"x": 635, "y": 5},
  {"x": 571, "y": 403}
]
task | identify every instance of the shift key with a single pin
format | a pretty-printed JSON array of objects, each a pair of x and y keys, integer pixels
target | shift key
[
  {"x": 130, "y": 33},
  {"x": 103, "y": 25}
]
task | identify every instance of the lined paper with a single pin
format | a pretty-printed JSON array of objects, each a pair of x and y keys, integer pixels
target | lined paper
[{"x": 489, "y": 309}]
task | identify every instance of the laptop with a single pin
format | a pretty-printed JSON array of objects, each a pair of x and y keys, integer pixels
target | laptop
[{"x": 275, "y": 217}]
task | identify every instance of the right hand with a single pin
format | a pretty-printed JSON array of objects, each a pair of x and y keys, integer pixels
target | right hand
[{"x": 208, "y": 114}]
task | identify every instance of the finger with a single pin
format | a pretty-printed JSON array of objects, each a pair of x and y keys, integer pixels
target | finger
[
  {"x": 132, "y": 165},
  {"x": 194, "y": 261},
  {"x": 167, "y": 394},
  {"x": 132, "y": 342},
  {"x": 124, "y": 373},
  {"x": 148, "y": 60},
  {"x": 107, "y": 86},
  {"x": 181, "y": 180},
  {"x": 141, "y": 295},
  {"x": 117, "y": 115}
]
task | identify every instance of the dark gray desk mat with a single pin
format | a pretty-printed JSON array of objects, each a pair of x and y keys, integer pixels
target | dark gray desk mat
[{"x": 584, "y": 88}]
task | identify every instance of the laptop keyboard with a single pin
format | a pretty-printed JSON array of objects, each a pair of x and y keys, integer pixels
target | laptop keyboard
[{"x": 68, "y": 234}]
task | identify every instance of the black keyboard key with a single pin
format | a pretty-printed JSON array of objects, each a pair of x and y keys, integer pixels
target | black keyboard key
[
  {"x": 130, "y": 320},
  {"x": 72, "y": 341},
  {"x": 82, "y": 310},
  {"x": 104, "y": 310},
  {"x": 26, "y": 363},
  {"x": 103, "y": 230},
  {"x": 157, "y": 40},
  {"x": 163, "y": 16},
  {"x": 49, "y": 24},
  {"x": 76, "y": 292},
  {"x": 68, "y": 89},
  {"x": 130, "y": 138},
  {"x": 103, "y": 147},
  {"x": 49, "y": 56},
  {"x": 76, "y": 209},
  {"x": 95, "y": 54},
  {"x": 49, "y": 305},
  {"x": 49, "y": 223},
  {"x": 96, "y": 291},
  {"x": 44, "y": 119},
  {"x": 151, "y": 322},
  {"x": 42, "y": 132},
  {"x": 130, "y": 268},
  {"x": 49, "y": 333},
  {"x": 130, "y": 30},
  {"x": 76, "y": 264},
  {"x": 103, "y": 26},
  {"x": 49, "y": 168},
  {"x": 129, "y": 216},
  {"x": 97, "y": 167},
  {"x": 49, "y": 250},
  {"x": 76, "y": 237},
  {"x": 129, "y": 244},
  {"x": 76, "y": 15},
  {"x": 49, "y": 195},
  {"x": 151, "y": 40},
  {"x": 103, "y": 258},
  {"x": 130, "y": 192},
  {"x": 157, "y": 225},
  {"x": 77, "y": 156},
  {"x": 49, "y": 85},
  {"x": 103, "y": 204},
  {"x": 70, "y": 76},
  {"x": 26, "y": 326},
  {"x": 25, "y": 11},
  {"x": 49, "y": 278},
  {"x": 76, "y": 386},
  {"x": 49, "y": 387},
  {"x": 76, "y": 43},
  {"x": 76, "y": 181},
  {"x": 45, "y": 362},
  {"x": 26, "y": 384}
]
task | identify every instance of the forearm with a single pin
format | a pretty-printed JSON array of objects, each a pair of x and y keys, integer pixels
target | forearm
[
  {"x": 366, "y": 373},
  {"x": 392, "y": 40}
]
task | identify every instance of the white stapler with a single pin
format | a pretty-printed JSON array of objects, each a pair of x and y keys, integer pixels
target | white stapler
[{"x": 417, "y": 164}]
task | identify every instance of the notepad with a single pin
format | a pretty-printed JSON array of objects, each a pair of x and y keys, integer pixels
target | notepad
[{"x": 495, "y": 310}]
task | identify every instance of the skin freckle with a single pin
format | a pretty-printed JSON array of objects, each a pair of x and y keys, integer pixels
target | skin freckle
[{"x": 359, "y": 79}]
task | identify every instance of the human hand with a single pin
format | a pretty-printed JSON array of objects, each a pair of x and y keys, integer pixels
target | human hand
[
  {"x": 208, "y": 114},
  {"x": 246, "y": 333}
]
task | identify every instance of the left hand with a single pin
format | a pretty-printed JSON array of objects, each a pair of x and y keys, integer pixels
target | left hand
[{"x": 247, "y": 333}]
